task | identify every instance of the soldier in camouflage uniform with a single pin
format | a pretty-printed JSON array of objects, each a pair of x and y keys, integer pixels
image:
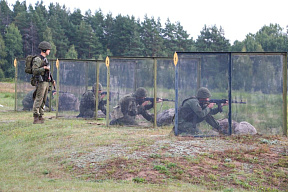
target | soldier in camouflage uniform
[
  {"x": 130, "y": 106},
  {"x": 41, "y": 71},
  {"x": 195, "y": 110},
  {"x": 88, "y": 103}
]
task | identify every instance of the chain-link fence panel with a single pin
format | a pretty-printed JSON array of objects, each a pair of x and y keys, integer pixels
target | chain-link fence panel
[
  {"x": 78, "y": 92},
  {"x": 195, "y": 71},
  {"x": 131, "y": 80},
  {"x": 246, "y": 89},
  {"x": 257, "y": 80}
]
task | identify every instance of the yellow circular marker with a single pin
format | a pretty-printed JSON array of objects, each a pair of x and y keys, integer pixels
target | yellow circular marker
[
  {"x": 15, "y": 62},
  {"x": 57, "y": 63},
  {"x": 107, "y": 61},
  {"x": 175, "y": 58}
]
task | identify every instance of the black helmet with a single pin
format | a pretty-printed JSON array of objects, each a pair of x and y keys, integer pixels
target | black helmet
[
  {"x": 203, "y": 92},
  {"x": 44, "y": 45},
  {"x": 140, "y": 92}
]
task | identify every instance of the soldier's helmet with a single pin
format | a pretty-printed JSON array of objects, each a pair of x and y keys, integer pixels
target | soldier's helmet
[
  {"x": 95, "y": 86},
  {"x": 44, "y": 45},
  {"x": 203, "y": 92},
  {"x": 140, "y": 92},
  {"x": 100, "y": 87}
]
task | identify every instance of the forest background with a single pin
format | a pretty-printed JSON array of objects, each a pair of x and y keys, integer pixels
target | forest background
[{"x": 77, "y": 36}]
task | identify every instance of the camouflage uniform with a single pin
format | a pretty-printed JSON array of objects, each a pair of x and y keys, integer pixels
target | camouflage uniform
[
  {"x": 28, "y": 101},
  {"x": 193, "y": 112},
  {"x": 130, "y": 106},
  {"x": 43, "y": 77},
  {"x": 88, "y": 103}
]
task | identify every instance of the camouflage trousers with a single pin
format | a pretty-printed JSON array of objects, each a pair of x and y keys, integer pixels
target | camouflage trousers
[
  {"x": 191, "y": 127},
  {"x": 40, "y": 99},
  {"x": 126, "y": 120}
]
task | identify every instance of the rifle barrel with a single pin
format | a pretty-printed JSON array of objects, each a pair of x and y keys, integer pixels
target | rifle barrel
[{"x": 218, "y": 101}]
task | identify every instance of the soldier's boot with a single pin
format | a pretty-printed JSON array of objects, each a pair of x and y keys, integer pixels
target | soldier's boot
[
  {"x": 41, "y": 119},
  {"x": 36, "y": 120}
]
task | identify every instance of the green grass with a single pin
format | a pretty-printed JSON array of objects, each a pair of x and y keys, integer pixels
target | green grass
[
  {"x": 37, "y": 158},
  {"x": 33, "y": 156}
]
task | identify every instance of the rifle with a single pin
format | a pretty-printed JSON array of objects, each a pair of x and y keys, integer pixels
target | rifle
[
  {"x": 105, "y": 93},
  {"x": 47, "y": 73},
  {"x": 219, "y": 101},
  {"x": 151, "y": 99}
]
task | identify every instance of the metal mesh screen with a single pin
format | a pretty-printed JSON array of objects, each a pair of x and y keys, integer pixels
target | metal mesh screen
[
  {"x": 258, "y": 80},
  {"x": 126, "y": 75},
  {"x": 165, "y": 91},
  {"x": 76, "y": 80},
  {"x": 252, "y": 83},
  {"x": 201, "y": 70}
]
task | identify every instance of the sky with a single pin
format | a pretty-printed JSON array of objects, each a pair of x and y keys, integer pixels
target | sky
[{"x": 237, "y": 18}]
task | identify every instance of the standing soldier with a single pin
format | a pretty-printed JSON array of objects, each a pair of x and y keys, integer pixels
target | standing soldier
[{"x": 41, "y": 71}]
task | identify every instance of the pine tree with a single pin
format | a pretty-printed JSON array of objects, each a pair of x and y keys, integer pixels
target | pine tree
[
  {"x": 251, "y": 45},
  {"x": 136, "y": 47},
  {"x": 6, "y": 16},
  {"x": 97, "y": 23},
  {"x": 72, "y": 53},
  {"x": 40, "y": 15},
  {"x": 59, "y": 38},
  {"x": 176, "y": 38},
  {"x": 3, "y": 55},
  {"x": 151, "y": 37},
  {"x": 272, "y": 38},
  {"x": 13, "y": 42},
  {"x": 125, "y": 38},
  {"x": 29, "y": 32},
  {"x": 212, "y": 39},
  {"x": 48, "y": 36},
  {"x": 88, "y": 46}
]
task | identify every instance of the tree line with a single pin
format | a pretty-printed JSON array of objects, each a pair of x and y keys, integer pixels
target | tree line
[{"x": 77, "y": 36}]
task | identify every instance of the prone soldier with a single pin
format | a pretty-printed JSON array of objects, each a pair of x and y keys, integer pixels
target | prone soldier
[
  {"x": 197, "y": 109},
  {"x": 132, "y": 105},
  {"x": 88, "y": 102}
]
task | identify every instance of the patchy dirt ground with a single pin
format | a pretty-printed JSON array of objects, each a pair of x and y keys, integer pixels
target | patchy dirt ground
[{"x": 244, "y": 162}]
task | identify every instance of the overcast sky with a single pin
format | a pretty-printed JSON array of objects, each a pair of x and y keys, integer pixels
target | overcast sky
[{"x": 237, "y": 18}]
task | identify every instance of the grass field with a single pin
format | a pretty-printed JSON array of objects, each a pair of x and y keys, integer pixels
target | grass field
[{"x": 85, "y": 155}]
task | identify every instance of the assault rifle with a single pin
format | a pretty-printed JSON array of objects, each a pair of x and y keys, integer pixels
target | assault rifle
[
  {"x": 105, "y": 93},
  {"x": 151, "y": 99},
  {"x": 219, "y": 101},
  {"x": 47, "y": 73}
]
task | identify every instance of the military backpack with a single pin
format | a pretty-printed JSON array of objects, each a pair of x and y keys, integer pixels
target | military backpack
[
  {"x": 28, "y": 68},
  {"x": 29, "y": 63}
]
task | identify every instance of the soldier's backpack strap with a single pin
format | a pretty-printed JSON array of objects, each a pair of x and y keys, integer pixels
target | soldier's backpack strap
[{"x": 187, "y": 100}]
